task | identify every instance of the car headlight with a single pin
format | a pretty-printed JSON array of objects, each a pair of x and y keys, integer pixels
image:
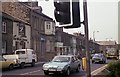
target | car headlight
[
  {"x": 60, "y": 68},
  {"x": 101, "y": 59},
  {"x": 45, "y": 67}
]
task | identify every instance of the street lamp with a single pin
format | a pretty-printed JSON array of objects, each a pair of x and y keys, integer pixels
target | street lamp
[
  {"x": 94, "y": 39},
  {"x": 94, "y": 35}
]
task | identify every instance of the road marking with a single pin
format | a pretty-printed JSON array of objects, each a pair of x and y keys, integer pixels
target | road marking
[
  {"x": 95, "y": 72},
  {"x": 30, "y": 72}
]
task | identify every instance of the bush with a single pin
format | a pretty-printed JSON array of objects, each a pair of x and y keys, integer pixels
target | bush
[{"x": 114, "y": 68}]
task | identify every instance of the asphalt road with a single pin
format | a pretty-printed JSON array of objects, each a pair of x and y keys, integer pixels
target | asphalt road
[{"x": 37, "y": 71}]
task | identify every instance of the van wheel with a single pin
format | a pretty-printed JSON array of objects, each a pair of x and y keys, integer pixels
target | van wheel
[
  {"x": 11, "y": 66},
  {"x": 33, "y": 63},
  {"x": 22, "y": 65}
]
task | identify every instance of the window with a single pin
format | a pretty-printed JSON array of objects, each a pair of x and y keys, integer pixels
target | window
[
  {"x": 4, "y": 46},
  {"x": 42, "y": 24},
  {"x": 16, "y": 45},
  {"x": 48, "y": 25},
  {"x": 20, "y": 52},
  {"x": 3, "y": 27}
]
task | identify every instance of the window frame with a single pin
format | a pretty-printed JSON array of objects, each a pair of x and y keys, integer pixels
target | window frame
[{"x": 4, "y": 26}]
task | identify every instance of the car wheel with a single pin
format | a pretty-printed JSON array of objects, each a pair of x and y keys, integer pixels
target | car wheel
[
  {"x": 78, "y": 68},
  {"x": 11, "y": 66},
  {"x": 68, "y": 72},
  {"x": 92, "y": 61},
  {"x": 46, "y": 73},
  {"x": 104, "y": 62},
  {"x": 22, "y": 65}
]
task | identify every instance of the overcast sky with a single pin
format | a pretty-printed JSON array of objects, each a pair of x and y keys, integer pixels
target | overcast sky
[{"x": 102, "y": 16}]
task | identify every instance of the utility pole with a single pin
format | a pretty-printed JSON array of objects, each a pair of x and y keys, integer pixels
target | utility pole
[
  {"x": 1, "y": 28},
  {"x": 86, "y": 38}
]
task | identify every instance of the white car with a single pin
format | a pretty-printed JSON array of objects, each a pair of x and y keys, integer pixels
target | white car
[
  {"x": 63, "y": 64},
  {"x": 99, "y": 58}
]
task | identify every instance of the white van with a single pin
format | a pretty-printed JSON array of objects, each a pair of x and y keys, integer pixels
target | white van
[{"x": 22, "y": 57}]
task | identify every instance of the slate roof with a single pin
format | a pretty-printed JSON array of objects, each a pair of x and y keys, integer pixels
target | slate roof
[{"x": 106, "y": 42}]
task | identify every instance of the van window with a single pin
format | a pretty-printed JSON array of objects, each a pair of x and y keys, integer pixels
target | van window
[{"x": 20, "y": 52}]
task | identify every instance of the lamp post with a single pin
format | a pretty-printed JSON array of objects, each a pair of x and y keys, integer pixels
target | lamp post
[
  {"x": 94, "y": 35},
  {"x": 94, "y": 39}
]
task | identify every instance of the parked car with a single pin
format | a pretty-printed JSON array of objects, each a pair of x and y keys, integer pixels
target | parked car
[
  {"x": 99, "y": 58},
  {"x": 62, "y": 64},
  {"x": 6, "y": 64}
]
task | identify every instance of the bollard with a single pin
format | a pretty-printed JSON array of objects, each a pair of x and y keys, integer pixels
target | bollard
[{"x": 84, "y": 64}]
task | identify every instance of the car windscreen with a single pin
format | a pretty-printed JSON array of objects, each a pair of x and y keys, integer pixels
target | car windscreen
[
  {"x": 61, "y": 59},
  {"x": 20, "y": 52},
  {"x": 97, "y": 56}
]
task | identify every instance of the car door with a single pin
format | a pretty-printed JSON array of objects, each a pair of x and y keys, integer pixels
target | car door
[{"x": 4, "y": 63}]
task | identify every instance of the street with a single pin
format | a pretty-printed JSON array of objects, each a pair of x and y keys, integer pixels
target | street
[
  {"x": 37, "y": 71},
  {"x": 34, "y": 32}
]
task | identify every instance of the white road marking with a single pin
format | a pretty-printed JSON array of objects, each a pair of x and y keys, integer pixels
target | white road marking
[
  {"x": 30, "y": 72},
  {"x": 95, "y": 72}
]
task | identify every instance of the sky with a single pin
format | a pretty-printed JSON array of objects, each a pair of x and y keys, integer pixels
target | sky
[{"x": 102, "y": 18}]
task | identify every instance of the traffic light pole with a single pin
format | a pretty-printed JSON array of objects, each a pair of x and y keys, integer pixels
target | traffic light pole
[{"x": 86, "y": 38}]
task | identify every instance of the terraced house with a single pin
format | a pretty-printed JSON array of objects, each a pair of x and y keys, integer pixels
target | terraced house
[
  {"x": 15, "y": 27},
  {"x": 25, "y": 26}
]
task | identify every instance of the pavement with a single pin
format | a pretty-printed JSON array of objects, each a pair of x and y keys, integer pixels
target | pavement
[
  {"x": 97, "y": 71},
  {"x": 100, "y": 72}
]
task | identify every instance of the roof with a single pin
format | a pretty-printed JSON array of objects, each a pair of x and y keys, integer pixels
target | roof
[
  {"x": 24, "y": 50},
  {"x": 65, "y": 55},
  {"x": 106, "y": 42}
]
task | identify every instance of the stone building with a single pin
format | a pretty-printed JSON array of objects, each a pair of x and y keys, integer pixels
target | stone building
[
  {"x": 42, "y": 31},
  {"x": 80, "y": 44},
  {"x": 7, "y": 26},
  {"x": 104, "y": 45},
  {"x": 68, "y": 43},
  {"x": 14, "y": 35},
  {"x": 25, "y": 26}
]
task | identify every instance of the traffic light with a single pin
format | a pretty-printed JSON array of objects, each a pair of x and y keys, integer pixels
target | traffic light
[
  {"x": 65, "y": 16},
  {"x": 75, "y": 15},
  {"x": 62, "y": 11}
]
